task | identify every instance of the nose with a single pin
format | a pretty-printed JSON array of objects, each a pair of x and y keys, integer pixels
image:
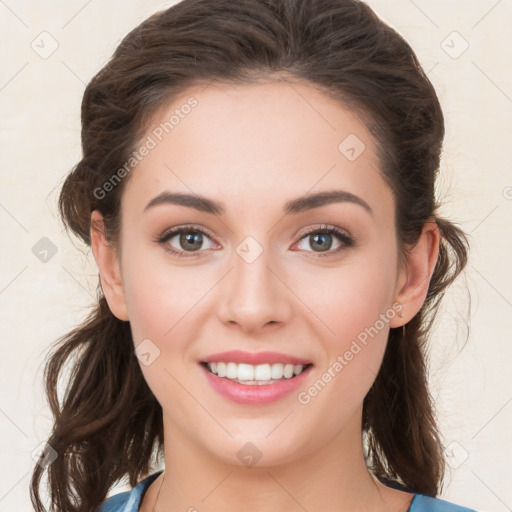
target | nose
[{"x": 254, "y": 295}]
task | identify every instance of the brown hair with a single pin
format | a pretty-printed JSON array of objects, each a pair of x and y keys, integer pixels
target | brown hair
[{"x": 108, "y": 424}]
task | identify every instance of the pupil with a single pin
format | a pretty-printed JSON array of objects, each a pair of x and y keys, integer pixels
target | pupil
[
  {"x": 323, "y": 241},
  {"x": 187, "y": 240}
]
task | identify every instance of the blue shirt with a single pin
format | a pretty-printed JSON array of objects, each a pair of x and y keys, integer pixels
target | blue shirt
[{"x": 130, "y": 501}]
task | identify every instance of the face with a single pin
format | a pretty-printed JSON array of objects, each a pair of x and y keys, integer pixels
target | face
[{"x": 259, "y": 267}]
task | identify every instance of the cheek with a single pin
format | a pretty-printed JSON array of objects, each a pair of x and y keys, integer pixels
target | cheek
[
  {"x": 357, "y": 313},
  {"x": 163, "y": 302},
  {"x": 351, "y": 298},
  {"x": 160, "y": 296},
  {"x": 354, "y": 305}
]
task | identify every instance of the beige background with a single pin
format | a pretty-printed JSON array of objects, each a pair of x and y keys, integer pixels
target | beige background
[{"x": 40, "y": 96}]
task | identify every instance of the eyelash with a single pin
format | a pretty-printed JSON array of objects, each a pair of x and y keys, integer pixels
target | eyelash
[{"x": 345, "y": 239}]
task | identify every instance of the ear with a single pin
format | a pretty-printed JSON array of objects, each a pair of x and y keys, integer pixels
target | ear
[
  {"x": 414, "y": 277},
  {"x": 109, "y": 266}
]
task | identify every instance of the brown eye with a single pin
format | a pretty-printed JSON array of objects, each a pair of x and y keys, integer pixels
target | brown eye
[
  {"x": 321, "y": 241},
  {"x": 325, "y": 241},
  {"x": 183, "y": 240},
  {"x": 191, "y": 240}
]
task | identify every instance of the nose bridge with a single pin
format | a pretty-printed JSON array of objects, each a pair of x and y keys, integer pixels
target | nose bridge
[{"x": 254, "y": 296}]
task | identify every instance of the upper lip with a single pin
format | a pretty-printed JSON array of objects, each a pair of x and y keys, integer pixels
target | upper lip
[{"x": 239, "y": 356}]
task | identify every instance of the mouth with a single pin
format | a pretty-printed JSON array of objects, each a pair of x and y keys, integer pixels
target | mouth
[
  {"x": 255, "y": 378},
  {"x": 255, "y": 375}
]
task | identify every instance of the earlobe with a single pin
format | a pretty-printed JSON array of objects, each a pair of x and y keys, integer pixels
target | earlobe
[
  {"x": 417, "y": 272},
  {"x": 108, "y": 264}
]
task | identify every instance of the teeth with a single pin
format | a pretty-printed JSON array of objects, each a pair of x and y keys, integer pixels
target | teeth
[
  {"x": 277, "y": 371},
  {"x": 254, "y": 374},
  {"x": 244, "y": 372},
  {"x": 263, "y": 372},
  {"x": 231, "y": 371},
  {"x": 221, "y": 369}
]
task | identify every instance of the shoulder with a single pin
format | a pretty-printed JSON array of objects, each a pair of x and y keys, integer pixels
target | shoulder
[
  {"x": 128, "y": 501},
  {"x": 421, "y": 503}
]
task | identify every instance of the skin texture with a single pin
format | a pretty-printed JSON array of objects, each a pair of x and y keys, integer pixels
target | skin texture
[{"x": 253, "y": 148}]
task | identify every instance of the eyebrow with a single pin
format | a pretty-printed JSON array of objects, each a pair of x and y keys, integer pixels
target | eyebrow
[{"x": 301, "y": 204}]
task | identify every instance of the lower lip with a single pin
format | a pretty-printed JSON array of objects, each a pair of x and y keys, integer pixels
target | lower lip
[{"x": 257, "y": 394}]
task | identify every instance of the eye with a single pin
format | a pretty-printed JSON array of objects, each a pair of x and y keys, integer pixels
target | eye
[
  {"x": 188, "y": 239},
  {"x": 321, "y": 240}
]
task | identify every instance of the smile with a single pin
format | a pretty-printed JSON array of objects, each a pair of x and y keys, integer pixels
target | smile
[{"x": 251, "y": 375}]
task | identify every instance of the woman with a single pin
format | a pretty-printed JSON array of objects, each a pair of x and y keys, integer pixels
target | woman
[{"x": 257, "y": 188}]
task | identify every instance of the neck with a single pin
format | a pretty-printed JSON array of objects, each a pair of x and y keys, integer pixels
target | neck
[{"x": 334, "y": 476}]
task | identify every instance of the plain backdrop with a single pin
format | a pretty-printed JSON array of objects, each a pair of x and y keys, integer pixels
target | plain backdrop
[{"x": 51, "y": 49}]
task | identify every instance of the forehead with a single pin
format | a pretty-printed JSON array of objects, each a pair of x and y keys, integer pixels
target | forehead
[{"x": 267, "y": 141}]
